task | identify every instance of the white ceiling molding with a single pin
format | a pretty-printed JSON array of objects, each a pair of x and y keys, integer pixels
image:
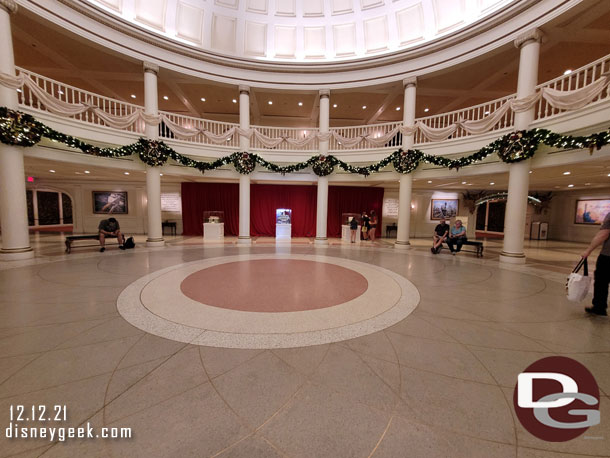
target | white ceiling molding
[
  {"x": 285, "y": 8},
  {"x": 376, "y": 34},
  {"x": 448, "y": 14},
  {"x": 257, "y": 6},
  {"x": 314, "y": 42},
  {"x": 189, "y": 23},
  {"x": 224, "y": 31},
  {"x": 285, "y": 42},
  {"x": 313, "y": 8},
  {"x": 233, "y": 4},
  {"x": 151, "y": 13},
  {"x": 344, "y": 37},
  {"x": 116, "y": 5},
  {"x": 342, "y": 7},
  {"x": 255, "y": 39},
  {"x": 368, "y": 4},
  {"x": 410, "y": 24}
]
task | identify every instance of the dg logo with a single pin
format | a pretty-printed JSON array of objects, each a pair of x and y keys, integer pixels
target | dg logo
[{"x": 557, "y": 399}]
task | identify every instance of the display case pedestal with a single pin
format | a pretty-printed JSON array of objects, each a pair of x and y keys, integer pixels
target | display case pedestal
[
  {"x": 283, "y": 232},
  {"x": 346, "y": 233},
  {"x": 213, "y": 231}
]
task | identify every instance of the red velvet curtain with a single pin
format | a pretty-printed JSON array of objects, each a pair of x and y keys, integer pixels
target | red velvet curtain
[
  {"x": 352, "y": 199},
  {"x": 200, "y": 197},
  {"x": 266, "y": 198}
]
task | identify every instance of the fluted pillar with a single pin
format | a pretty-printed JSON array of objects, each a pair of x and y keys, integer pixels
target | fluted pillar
[
  {"x": 518, "y": 179},
  {"x": 244, "y": 180},
  {"x": 153, "y": 177},
  {"x": 13, "y": 202},
  {"x": 406, "y": 180},
  {"x": 322, "y": 203}
]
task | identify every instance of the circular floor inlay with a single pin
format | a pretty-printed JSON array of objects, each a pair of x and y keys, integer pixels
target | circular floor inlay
[
  {"x": 369, "y": 299},
  {"x": 274, "y": 285}
]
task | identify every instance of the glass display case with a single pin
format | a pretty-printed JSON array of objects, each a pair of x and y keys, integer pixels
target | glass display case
[
  {"x": 283, "y": 216},
  {"x": 214, "y": 217},
  {"x": 346, "y": 225},
  {"x": 347, "y": 218},
  {"x": 213, "y": 226}
]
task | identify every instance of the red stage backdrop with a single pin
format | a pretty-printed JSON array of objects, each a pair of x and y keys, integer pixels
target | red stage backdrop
[
  {"x": 352, "y": 199},
  {"x": 265, "y": 198}
]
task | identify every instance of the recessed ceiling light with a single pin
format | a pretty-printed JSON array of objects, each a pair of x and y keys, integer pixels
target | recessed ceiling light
[
  {"x": 486, "y": 113},
  {"x": 19, "y": 90},
  {"x": 52, "y": 171},
  {"x": 587, "y": 184},
  {"x": 397, "y": 108},
  {"x": 160, "y": 174},
  {"x": 126, "y": 173},
  {"x": 234, "y": 100},
  {"x": 570, "y": 186},
  {"x": 133, "y": 96},
  {"x": 203, "y": 99},
  {"x": 531, "y": 171},
  {"x": 463, "y": 182},
  {"x": 300, "y": 104},
  {"x": 568, "y": 71},
  {"x": 492, "y": 183},
  {"x": 364, "y": 107},
  {"x": 567, "y": 173},
  {"x": 60, "y": 92},
  {"x": 270, "y": 102},
  {"x": 426, "y": 110},
  {"x": 469, "y": 184},
  {"x": 609, "y": 174},
  {"x": 429, "y": 181},
  {"x": 165, "y": 97},
  {"x": 87, "y": 171},
  {"x": 334, "y": 105}
]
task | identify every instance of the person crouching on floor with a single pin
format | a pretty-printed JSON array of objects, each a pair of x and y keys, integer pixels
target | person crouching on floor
[
  {"x": 440, "y": 235},
  {"x": 110, "y": 228}
]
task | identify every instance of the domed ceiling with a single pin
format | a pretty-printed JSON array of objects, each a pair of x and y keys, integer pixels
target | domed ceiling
[{"x": 302, "y": 30}]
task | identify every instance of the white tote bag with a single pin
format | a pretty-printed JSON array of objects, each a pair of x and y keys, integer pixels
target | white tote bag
[{"x": 578, "y": 285}]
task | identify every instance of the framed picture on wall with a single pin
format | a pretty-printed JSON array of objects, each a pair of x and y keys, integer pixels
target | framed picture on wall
[
  {"x": 110, "y": 202},
  {"x": 443, "y": 209},
  {"x": 592, "y": 211}
]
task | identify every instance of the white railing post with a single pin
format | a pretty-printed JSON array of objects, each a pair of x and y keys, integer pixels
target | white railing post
[
  {"x": 406, "y": 179},
  {"x": 13, "y": 200},
  {"x": 244, "y": 180},
  {"x": 518, "y": 179},
  {"x": 153, "y": 177},
  {"x": 322, "y": 202}
]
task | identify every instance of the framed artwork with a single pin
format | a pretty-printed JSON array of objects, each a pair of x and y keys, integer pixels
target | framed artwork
[
  {"x": 591, "y": 211},
  {"x": 443, "y": 209},
  {"x": 110, "y": 202}
]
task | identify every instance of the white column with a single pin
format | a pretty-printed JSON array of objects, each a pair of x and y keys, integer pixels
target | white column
[
  {"x": 322, "y": 204},
  {"x": 13, "y": 203},
  {"x": 518, "y": 179},
  {"x": 406, "y": 180},
  {"x": 244, "y": 180},
  {"x": 153, "y": 177}
]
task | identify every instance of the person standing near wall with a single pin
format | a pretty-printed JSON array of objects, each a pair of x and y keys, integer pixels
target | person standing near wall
[{"x": 602, "y": 269}]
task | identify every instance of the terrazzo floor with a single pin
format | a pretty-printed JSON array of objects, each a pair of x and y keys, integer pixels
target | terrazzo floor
[{"x": 439, "y": 383}]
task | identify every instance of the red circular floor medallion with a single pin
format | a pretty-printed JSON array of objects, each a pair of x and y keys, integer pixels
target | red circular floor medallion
[{"x": 274, "y": 285}]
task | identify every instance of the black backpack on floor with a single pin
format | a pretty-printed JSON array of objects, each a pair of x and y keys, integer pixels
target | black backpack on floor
[{"x": 129, "y": 243}]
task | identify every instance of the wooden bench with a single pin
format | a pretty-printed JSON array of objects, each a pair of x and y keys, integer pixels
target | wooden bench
[
  {"x": 70, "y": 239},
  {"x": 478, "y": 247}
]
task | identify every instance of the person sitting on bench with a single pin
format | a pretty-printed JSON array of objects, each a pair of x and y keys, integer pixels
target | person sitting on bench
[
  {"x": 440, "y": 235},
  {"x": 110, "y": 228},
  {"x": 457, "y": 237}
]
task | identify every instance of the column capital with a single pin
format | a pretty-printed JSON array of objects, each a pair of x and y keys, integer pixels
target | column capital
[
  {"x": 530, "y": 35},
  {"x": 243, "y": 89},
  {"x": 148, "y": 66},
  {"x": 9, "y": 5},
  {"x": 324, "y": 93},
  {"x": 412, "y": 81}
]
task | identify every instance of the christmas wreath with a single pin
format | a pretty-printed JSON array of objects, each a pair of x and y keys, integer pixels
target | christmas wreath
[{"x": 244, "y": 163}]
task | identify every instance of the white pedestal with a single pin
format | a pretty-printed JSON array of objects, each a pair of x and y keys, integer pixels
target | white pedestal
[
  {"x": 283, "y": 231},
  {"x": 346, "y": 233},
  {"x": 213, "y": 231}
]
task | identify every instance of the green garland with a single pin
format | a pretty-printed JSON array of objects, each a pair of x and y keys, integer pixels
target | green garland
[{"x": 21, "y": 129}]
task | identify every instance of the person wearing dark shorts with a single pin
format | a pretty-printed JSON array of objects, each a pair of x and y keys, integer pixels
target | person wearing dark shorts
[
  {"x": 602, "y": 269},
  {"x": 110, "y": 228},
  {"x": 440, "y": 235}
]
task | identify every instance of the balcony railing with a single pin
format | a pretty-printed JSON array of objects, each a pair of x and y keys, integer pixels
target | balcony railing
[{"x": 575, "y": 80}]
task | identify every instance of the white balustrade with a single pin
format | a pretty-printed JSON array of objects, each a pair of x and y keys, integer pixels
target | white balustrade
[
  {"x": 577, "y": 79},
  {"x": 71, "y": 94}
]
